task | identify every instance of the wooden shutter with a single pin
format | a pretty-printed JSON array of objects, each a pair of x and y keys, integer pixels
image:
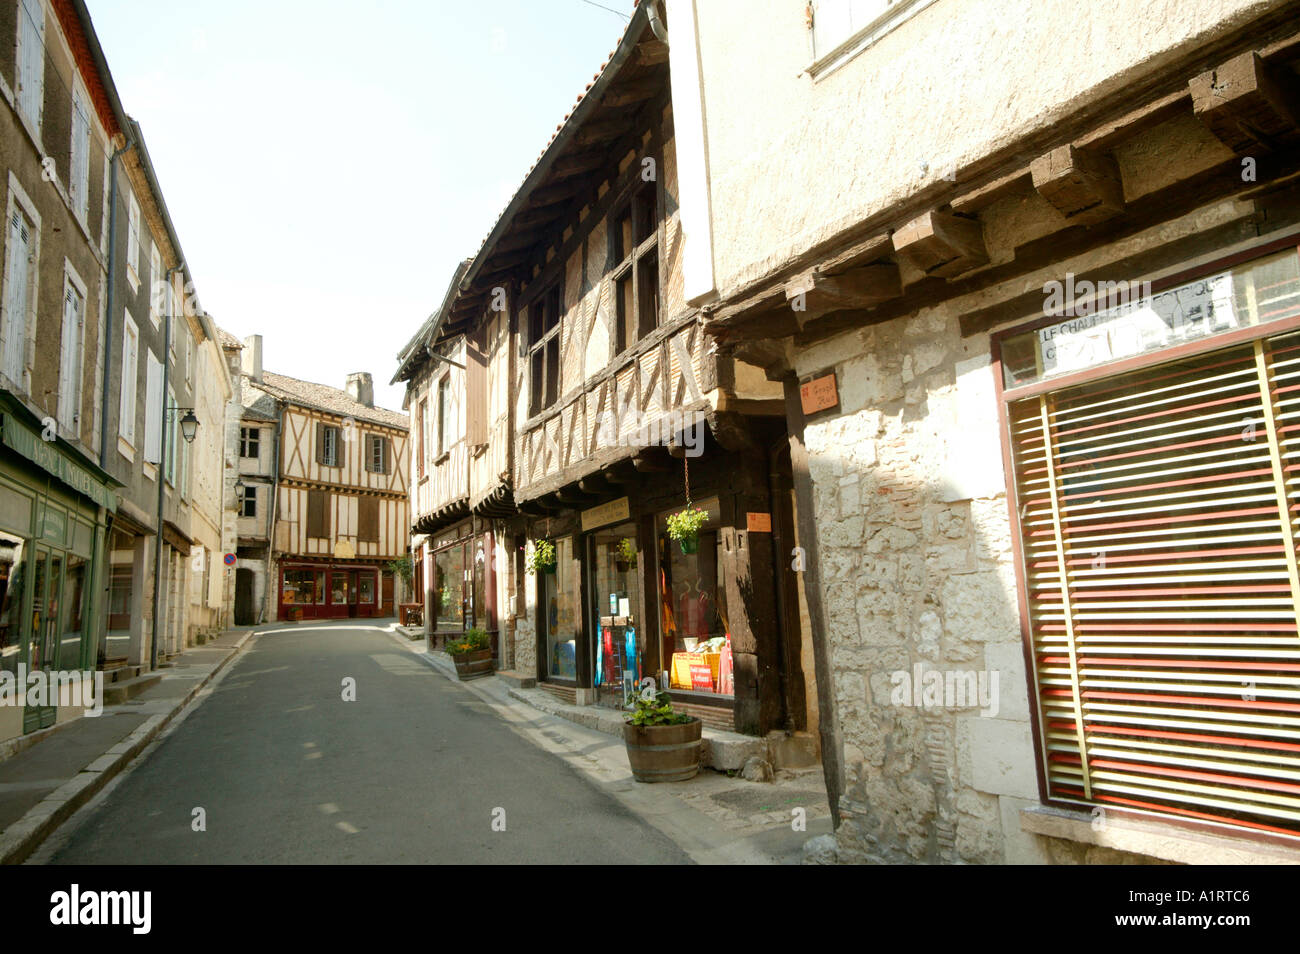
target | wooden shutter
[
  {"x": 318, "y": 524},
  {"x": 31, "y": 79},
  {"x": 320, "y": 443},
  {"x": 16, "y": 282},
  {"x": 153, "y": 409},
  {"x": 368, "y": 519},
  {"x": 476, "y": 411},
  {"x": 1158, "y": 512}
]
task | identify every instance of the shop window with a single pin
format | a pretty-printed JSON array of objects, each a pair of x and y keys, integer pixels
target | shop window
[
  {"x": 13, "y": 568},
  {"x": 449, "y": 587},
  {"x": 366, "y": 588},
  {"x": 696, "y": 639},
  {"x": 634, "y": 243},
  {"x": 1156, "y": 512},
  {"x": 620, "y": 633},
  {"x": 76, "y": 576},
  {"x": 544, "y": 350},
  {"x": 119, "y": 597},
  {"x": 561, "y": 617}
]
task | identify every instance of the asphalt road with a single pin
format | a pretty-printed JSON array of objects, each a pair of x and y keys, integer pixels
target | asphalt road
[{"x": 414, "y": 771}]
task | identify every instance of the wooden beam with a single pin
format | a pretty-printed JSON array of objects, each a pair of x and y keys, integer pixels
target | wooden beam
[
  {"x": 651, "y": 52},
  {"x": 555, "y": 194},
  {"x": 1083, "y": 186},
  {"x": 533, "y": 217},
  {"x": 636, "y": 91},
  {"x": 813, "y": 294},
  {"x": 577, "y": 164},
  {"x": 859, "y": 253},
  {"x": 941, "y": 244},
  {"x": 652, "y": 460},
  {"x": 599, "y": 132},
  {"x": 1244, "y": 105}
]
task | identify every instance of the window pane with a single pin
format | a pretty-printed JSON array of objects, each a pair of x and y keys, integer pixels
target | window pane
[
  {"x": 75, "y": 579},
  {"x": 561, "y": 618},
  {"x": 693, "y": 608},
  {"x": 449, "y": 587},
  {"x": 648, "y": 291},
  {"x": 12, "y": 570}
]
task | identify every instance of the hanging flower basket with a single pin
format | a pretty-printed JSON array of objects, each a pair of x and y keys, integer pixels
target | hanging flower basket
[
  {"x": 684, "y": 527},
  {"x": 625, "y": 555},
  {"x": 542, "y": 559}
]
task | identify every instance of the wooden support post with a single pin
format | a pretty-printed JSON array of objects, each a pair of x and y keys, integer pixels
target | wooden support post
[
  {"x": 814, "y": 294},
  {"x": 1244, "y": 104},
  {"x": 942, "y": 244},
  {"x": 1083, "y": 186}
]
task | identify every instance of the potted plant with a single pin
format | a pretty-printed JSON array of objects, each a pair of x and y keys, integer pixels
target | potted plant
[
  {"x": 662, "y": 745},
  {"x": 542, "y": 559},
  {"x": 472, "y": 654},
  {"x": 625, "y": 555},
  {"x": 684, "y": 527}
]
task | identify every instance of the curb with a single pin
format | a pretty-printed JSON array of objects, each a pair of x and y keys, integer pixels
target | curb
[{"x": 25, "y": 835}]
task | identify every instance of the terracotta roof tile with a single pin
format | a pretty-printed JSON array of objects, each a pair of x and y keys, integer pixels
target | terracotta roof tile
[{"x": 325, "y": 398}]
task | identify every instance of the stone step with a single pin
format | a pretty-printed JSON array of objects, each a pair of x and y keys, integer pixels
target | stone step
[
  {"x": 517, "y": 679},
  {"x": 119, "y": 692}
]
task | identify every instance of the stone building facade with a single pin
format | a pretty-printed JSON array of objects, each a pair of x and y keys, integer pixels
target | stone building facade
[{"x": 892, "y": 258}]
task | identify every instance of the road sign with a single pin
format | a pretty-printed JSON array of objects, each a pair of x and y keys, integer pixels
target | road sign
[{"x": 229, "y": 559}]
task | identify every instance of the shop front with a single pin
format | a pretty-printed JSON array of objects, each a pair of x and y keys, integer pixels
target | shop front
[
  {"x": 1154, "y": 448},
  {"x": 329, "y": 591},
  {"x": 54, "y": 508},
  {"x": 626, "y": 602},
  {"x": 462, "y": 582}
]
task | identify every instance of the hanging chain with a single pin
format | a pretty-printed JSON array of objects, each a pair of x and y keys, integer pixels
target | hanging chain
[{"x": 686, "y": 468}]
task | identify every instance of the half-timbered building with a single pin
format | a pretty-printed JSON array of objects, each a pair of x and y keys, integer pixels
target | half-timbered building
[
  {"x": 335, "y": 506},
  {"x": 601, "y": 412}
]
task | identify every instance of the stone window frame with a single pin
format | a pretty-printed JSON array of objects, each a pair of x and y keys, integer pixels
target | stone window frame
[{"x": 860, "y": 39}]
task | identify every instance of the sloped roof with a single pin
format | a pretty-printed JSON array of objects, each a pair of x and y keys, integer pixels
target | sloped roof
[
  {"x": 227, "y": 340},
  {"x": 322, "y": 397}
]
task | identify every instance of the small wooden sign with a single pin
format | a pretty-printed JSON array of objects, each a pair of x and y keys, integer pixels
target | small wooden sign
[
  {"x": 819, "y": 394},
  {"x": 758, "y": 522},
  {"x": 612, "y": 512}
]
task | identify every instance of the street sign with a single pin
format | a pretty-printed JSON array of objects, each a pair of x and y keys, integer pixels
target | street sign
[{"x": 229, "y": 559}]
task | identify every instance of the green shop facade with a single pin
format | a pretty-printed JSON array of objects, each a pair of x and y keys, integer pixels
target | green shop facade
[{"x": 55, "y": 508}]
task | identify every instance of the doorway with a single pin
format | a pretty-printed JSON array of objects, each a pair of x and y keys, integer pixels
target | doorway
[
  {"x": 43, "y": 640},
  {"x": 615, "y": 594}
]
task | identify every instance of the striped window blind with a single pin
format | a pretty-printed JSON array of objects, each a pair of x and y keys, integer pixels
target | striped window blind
[{"x": 1158, "y": 516}]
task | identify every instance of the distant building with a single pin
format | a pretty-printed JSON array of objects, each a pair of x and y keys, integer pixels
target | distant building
[{"x": 318, "y": 477}]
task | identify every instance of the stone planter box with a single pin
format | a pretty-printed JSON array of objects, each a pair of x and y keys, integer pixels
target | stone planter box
[{"x": 664, "y": 753}]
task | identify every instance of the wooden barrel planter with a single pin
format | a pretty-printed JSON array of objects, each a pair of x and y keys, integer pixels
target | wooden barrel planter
[
  {"x": 663, "y": 753},
  {"x": 472, "y": 665}
]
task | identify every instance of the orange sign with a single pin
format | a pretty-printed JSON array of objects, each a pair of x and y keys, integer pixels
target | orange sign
[
  {"x": 758, "y": 522},
  {"x": 819, "y": 394}
]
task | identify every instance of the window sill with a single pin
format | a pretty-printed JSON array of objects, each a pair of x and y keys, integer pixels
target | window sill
[
  {"x": 441, "y": 458},
  {"x": 1154, "y": 838},
  {"x": 865, "y": 38}
]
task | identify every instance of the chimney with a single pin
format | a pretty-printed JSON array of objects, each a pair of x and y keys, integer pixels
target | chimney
[
  {"x": 251, "y": 357},
  {"x": 361, "y": 388}
]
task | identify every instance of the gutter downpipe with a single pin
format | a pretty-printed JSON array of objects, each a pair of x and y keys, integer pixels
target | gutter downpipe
[
  {"x": 162, "y": 476},
  {"x": 112, "y": 303},
  {"x": 272, "y": 510}
]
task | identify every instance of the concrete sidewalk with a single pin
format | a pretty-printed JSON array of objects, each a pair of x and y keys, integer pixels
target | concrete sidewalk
[
  {"x": 43, "y": 784},
  {"x": 716, "y": 817}
]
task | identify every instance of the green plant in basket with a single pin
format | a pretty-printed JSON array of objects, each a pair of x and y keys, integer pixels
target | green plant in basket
[
  {"x": 543, "y": 556},
  {"x": 684, "y": 527},
  {"x": 474, "y": 640},
  {"x": 627, "y": 550},
  {"x": 656, "y": 710}
]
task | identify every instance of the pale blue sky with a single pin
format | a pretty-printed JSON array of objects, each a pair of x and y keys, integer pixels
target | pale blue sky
[{"x": 327, "y": 163}]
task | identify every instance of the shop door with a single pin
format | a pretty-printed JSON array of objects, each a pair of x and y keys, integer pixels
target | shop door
[
  {"x": 615, "y": 588},
  {"x": 340, "y": 594},
  {"x": 43, "y": 640},
  {"x": 352, "y": 594}
]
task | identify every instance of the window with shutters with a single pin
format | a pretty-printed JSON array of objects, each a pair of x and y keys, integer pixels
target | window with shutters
[
  {"x": 130, "y": 384},
  {"x": 71, "y": 348},
  {"x": 153, "y": 408},
  {"x": 329, "y": 446},
  {"x": 1156, "y": 507},
  {"x": 421, "y": 417},
  {"x": 444, "y": 415},
  {"x": 376, "y": 454},
  {"x": 544, "y": 350},
  {"x": 31, "y": 60},
  {"x": 133, "y": 244},
  {"x": 20, "y": 253},
  {"x": 318, "y": 515},
  {"x": 368, "y": 519},
  {"x": 79, "y": 174},
  {"x": 250, "y": 442},
  {"x": 634, "y": 232}
]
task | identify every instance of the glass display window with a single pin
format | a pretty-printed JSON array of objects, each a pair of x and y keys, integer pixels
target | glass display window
[
  {"x": 449, "y": 587},
  {"x": 694, "y": 633},
  {"x": 616, "y": 590},
  {"x": 13, "y": 565},
  {"x": 561, "y": 617}
]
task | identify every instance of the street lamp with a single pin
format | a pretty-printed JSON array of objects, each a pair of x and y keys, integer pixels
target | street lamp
[{"x": 189, "y": 425}]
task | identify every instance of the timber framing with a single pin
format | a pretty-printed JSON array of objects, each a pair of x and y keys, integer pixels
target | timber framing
[{"x": 1243, "y": 90}]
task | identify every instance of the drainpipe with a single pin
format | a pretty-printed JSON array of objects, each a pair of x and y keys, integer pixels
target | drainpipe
[
  {"x": 656, "y": 22},
  {"x": 112, "y": 304},
  {"x": 272, "y": 509},
  {"x": 162, "y": 477}
]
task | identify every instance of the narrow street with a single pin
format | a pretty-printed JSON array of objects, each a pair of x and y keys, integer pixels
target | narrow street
[{"x": 411, "y": 772}]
